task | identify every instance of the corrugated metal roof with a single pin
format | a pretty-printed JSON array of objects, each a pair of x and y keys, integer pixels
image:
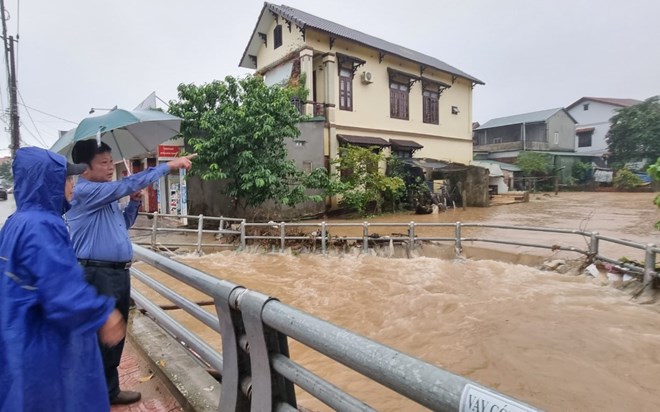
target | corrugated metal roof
[
  {"x": 607, "y": 100},
  {"x": 504, "y": 166},
  {"x": 303, "y": 19},
  {"x": 585, "y": 130},
  {"x": 406, "y": 144},
  {"x": 532, "y": 117},
  {"x": 363, "y": 140},
  {"x": 494, "y": 170}
]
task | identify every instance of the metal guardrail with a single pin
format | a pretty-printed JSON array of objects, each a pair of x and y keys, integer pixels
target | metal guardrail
[
  {"x": 320, "y": 236},
  {"x": 257, "y": 371}
]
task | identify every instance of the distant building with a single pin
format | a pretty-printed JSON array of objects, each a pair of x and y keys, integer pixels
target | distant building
[
  {"x": 593, "y": 116},
  {"x": 504, "y": 138}
]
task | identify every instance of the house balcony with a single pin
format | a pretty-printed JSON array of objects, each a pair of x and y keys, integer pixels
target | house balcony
[
  {"x": 511, "y": 146},
  {"x": 318, "y": 108}
]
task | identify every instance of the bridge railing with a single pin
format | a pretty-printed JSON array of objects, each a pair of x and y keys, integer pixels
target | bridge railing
[{"x": 257, "y": 370}]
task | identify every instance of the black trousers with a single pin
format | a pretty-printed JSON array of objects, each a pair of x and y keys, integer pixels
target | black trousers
[{"x": 117, "y": 284}]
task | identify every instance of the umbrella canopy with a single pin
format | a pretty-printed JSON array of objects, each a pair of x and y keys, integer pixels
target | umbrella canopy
[{"x": 128, "y": 133}]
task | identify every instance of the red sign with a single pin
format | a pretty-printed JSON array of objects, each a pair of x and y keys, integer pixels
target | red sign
[{"x": 168, "y": 150}]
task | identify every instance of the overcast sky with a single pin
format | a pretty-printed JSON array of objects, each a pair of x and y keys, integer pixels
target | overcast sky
[{"x": 532, "y": 54}]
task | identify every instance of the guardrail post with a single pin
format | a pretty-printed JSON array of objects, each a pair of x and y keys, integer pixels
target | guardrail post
[
  {"x": 593, "y": 246},
  {"x": 236, "y": 385},
  {"x": 221, "y": 226},
  {"x": 411, "y": 236},
  {"x": 154, "y": 230},
  {"x": 200, "y": 232},
  {"x": 243, "y": 234},
  {"x": 649, "y": 265},
  {"x": 458, "y": 247},
  {"x": 268, "y": 387},
  {"x": 365, "y": 237},
  {"x": 282, "y": 236},
  {"x": 323, "y": 234}
]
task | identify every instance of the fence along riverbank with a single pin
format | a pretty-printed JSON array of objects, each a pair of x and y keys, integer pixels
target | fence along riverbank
[{"x": 237, "y": 233}]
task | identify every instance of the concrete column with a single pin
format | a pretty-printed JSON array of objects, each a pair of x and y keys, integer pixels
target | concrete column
[
  {"x": 307, "y": 68},
  {"x": 330, "y": 79}
]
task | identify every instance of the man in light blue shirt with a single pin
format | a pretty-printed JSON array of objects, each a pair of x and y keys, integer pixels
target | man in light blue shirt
[{"x": 99, "y": 231}]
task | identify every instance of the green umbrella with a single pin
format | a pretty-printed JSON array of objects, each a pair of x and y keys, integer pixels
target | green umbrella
[{"x": 128, "y": 133}]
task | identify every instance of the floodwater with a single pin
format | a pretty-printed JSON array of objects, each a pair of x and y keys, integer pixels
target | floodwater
[{"x": 558, "y": 342}]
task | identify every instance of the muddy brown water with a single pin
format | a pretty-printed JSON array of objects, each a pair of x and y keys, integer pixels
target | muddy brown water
[{"x": 559, "y": 342}]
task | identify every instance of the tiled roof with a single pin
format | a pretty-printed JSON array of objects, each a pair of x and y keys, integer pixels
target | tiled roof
[
  {"x": 362, "y": 140},
  {"x": 303, "y": 20},
  {"x": 607, "y": 100},
  {"x": 532, "y": 117},
  {"x": 406, "y": 144}
]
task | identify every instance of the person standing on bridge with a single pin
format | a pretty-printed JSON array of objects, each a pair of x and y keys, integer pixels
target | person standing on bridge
[
  {"x": 99, "y": 230},
  {"x": 49, "y": 314}
]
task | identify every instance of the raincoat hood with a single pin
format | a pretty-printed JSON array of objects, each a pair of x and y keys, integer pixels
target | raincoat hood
[{"x": 39, "y": 177}]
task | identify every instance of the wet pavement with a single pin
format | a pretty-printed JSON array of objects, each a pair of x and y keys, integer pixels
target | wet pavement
[{"x": 135, "y": 374}]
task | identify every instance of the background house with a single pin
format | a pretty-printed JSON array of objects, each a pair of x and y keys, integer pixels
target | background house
[
  {"x": 367, "y": 89},
  {"x": 505, "y": 137},
  {"x": 593, "y": 116}
]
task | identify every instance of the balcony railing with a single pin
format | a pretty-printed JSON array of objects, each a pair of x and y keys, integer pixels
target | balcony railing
[
  {"x": 319, "y": 108},
  {"x": 502, "y": 147}
]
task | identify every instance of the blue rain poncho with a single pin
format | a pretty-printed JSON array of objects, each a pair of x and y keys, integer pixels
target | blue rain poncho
[{"x": 49, "y": 316}]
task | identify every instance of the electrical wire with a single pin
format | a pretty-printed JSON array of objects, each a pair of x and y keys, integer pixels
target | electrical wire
[
  {"x": 41, "y": 139},
  {"x": 48, "y": 114},
  {"x": 37, "y": 139}
]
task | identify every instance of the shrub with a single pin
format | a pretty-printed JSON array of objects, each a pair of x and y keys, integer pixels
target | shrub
[{"x": 626, "y": 180}]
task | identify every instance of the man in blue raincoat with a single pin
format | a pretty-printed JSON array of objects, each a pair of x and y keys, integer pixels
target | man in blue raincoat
[{"x": 49, "y": 315}]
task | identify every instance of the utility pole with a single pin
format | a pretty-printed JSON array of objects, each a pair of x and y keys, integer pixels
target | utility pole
[
  {"x": 14, "y": 124},
  {"x": 13, "y": 102}
]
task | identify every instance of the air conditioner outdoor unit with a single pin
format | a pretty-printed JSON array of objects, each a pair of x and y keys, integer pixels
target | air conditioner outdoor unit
[{"x": 367, "y": 77}]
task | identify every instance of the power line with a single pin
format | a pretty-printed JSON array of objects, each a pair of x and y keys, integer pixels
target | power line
[
  {"x": 4, "y": 39},
  {"x": 47, "y": 114},
  {"x": 31, "y": 119},
  {"x": 38, "y": 139}
]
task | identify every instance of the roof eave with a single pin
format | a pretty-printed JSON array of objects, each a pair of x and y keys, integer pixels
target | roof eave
[
  {"x": 242, "y": 62},
  {"x": 275, "y": 9}
]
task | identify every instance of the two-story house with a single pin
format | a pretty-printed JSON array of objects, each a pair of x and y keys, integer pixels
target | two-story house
[
  {"x": 371, "y": 92},
  {"x": 504, "y": 138},
  {"x": 593, "y": 116}
]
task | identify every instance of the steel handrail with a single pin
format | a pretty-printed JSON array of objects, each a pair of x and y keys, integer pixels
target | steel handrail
[{"x": 422, "y": 382}]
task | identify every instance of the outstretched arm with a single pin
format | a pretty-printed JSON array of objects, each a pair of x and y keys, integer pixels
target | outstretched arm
[{"x": 97, "y": 194}]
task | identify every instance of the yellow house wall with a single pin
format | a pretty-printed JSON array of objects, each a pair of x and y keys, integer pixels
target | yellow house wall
[
  {"x": 449, "y": 140},
  {"x": 291, "y": 41}
]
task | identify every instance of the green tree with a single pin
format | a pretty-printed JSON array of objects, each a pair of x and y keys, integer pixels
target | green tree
[
  {"x": 581, "y": 171},
  {"x": 359, "y": 182},
  {"x": 238, "y": 129},
  {"x": 626, "y": 180},
  {"x": 635, "y": 132},
  {"x": 534, "y": 163},
  {"x": 5, "y": 173},
  {"x": 654, "y": 172}
]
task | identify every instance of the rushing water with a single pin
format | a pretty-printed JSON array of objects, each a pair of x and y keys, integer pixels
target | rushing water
[{"x": 559, "y": 342}]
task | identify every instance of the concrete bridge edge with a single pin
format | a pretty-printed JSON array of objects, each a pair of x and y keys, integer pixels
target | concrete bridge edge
[{"x": 185, "y": 377}]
